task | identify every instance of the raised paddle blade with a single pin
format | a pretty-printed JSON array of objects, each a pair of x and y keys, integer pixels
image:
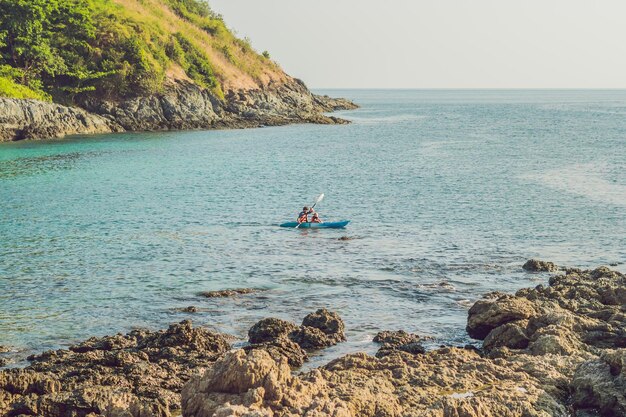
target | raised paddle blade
[{"x": 319, "y": 198}]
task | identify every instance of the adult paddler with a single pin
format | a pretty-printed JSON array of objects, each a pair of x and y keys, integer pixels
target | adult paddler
[{"x": 303, "y": 217}]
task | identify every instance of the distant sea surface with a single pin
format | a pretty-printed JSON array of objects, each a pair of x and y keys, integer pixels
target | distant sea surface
[{"x": 449, "y": 192}]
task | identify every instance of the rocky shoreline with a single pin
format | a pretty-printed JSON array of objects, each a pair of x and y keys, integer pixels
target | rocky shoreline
[
  {"x": 553, "y": 350},
  {"x": 181, "y": 106}
]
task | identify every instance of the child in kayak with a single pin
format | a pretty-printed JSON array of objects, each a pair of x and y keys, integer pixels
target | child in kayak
[
  {"x": 303, "y": 217},
  {"x": 316, "y": 218}
]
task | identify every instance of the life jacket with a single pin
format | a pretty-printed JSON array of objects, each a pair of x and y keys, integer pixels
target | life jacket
[
  {"x": 316, "y": 219},
  {"x": 303, "y": 217}
]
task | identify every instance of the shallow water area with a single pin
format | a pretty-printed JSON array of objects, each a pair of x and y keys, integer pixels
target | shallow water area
[{"x": 448, "y": 193}]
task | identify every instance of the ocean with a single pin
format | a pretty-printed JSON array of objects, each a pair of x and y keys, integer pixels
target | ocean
[{"x": 448, "y": 193}]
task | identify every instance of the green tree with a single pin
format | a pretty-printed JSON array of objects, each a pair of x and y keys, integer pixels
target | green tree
[{"x": 47, "y": 41}]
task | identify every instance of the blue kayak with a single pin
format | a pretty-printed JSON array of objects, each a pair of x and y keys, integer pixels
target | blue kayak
[{"x": 325, "y": 225}]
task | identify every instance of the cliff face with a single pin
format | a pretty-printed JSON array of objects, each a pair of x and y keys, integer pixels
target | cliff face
[
  {"x": 185, "y": 105},
  {"x": 33, "y": 119}
]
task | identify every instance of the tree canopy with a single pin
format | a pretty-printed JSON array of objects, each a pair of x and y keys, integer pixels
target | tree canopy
[{"x": 64, "y": 49}]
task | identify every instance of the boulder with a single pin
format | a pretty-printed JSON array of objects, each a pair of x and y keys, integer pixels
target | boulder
[
  {"x": 393, "y": 341},
  {"x": 282, "y": 348},
  {"x": 600, "y": 384},
  {"x": 269, "y": 329},
  {"x": 311, "y": 338},
  {"x": 328, "y": 322},
  {"x": 510, "y": 335},
  {"x": 535, "y": 265},
  {"x": 486, "y": 315}
]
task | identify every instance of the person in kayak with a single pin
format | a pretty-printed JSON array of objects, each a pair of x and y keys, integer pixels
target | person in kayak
[
  {"x": 316, "y": 218},
  {"x": 303, "y": 217}
]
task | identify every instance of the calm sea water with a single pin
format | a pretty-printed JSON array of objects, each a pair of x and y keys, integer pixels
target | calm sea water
[{"x": 449, "y": 192}]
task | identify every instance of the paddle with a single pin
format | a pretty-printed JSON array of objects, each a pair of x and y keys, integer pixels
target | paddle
[{"x": 317, "y": 200}]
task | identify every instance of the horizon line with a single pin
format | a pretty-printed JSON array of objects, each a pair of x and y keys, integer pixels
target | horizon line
[{"x": 476, "y": 88}]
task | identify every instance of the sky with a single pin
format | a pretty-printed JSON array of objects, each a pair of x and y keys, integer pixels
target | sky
[{"x": 439, "y": 43}]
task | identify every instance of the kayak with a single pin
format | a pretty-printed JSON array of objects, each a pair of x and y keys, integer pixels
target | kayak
[{"x": 325, "y": 225}]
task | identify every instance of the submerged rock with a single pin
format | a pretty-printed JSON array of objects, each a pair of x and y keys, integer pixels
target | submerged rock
[
  {"x": 536, "y": 265},
  {"x": 311, "y": 338},
  {"x": 227, "y": 293},
  {"x": 395, "y": 338}
]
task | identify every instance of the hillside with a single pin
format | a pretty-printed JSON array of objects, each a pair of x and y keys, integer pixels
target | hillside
[{"x": 142, "y": 65}]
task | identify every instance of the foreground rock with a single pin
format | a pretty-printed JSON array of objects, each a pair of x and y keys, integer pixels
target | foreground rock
[
  {"x": 446, "y": 382},
  {"x": 181, "y": 105},
  {"x": 581, "y": 311},
  {"x": 551, "y": 351},
  {"x": 138, "y": 374},
  {"x": 571, "y": 335},
  {"x": 141, "y": 374}
]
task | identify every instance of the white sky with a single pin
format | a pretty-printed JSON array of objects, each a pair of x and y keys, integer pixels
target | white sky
[{"x": 439, "y": 43}]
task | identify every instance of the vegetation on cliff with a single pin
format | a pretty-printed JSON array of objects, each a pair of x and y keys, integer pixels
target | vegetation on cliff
[{"x": 72, "y": 50}]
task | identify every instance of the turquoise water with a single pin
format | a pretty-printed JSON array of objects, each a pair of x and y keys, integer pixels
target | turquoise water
[{"x": 449, "y": 192}]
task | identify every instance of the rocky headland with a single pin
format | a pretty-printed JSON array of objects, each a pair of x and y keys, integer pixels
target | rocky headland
[
  {"x": 140, "y": 65},
  {"x": 181, "y": 106},
  {"x": 553, "y": 350}
]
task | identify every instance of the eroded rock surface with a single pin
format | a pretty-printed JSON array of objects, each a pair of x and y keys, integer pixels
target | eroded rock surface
[
  {"x": 571, "y": 335},
  {"x": 139, "y": 374},
  {"x": 446, "y": 382},
  {"x": 269, "y": 329},
  {"x": 578, "y": 311},
  {"x": 550, "y": 351}
]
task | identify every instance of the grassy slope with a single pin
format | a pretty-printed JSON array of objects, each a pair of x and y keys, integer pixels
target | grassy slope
[
  {"x": 9, "y": 88},
  {"x": 234, "y": 62}
]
